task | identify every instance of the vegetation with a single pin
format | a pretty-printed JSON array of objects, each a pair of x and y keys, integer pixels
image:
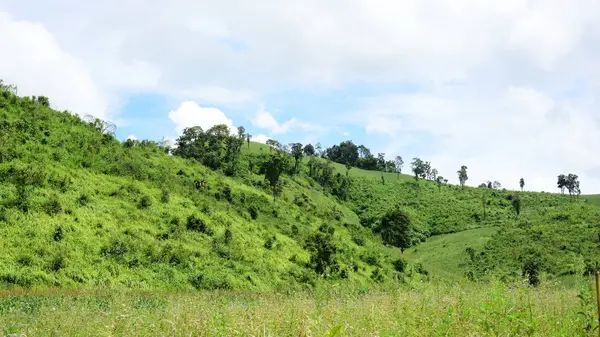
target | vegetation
[{"x": 293, "y": 229}]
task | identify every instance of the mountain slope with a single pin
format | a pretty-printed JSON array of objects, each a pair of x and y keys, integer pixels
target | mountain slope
[{"x": 80, "y": 209}]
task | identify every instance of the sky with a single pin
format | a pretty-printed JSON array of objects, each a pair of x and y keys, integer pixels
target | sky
[{"x": 508, "y": 88}]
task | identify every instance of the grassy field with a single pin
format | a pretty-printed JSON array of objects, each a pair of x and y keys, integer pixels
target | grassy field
[
  {"x": 444, "y": 257},
  {"x": 432, "y": 309}
]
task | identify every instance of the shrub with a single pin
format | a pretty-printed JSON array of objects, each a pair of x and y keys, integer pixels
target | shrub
[
  {"x": 399, "y": 265},
  {"x": 145, "y": 202},
  {"x": 371, "y": 258},
  {"x": 377, "y": 273},
  {"x": 323, "y": 249},
  {"x": 58, "y": 233},
  {"x": 83, "y": 199},
  {"x": 419, "y": 269},
  {"x": 25, "y": 260},
  {"x": 530, "y": 270},
  {"x": 226, "y": 192},
  {"x": 228, "y": 236},
  {"x": 253, "y": 212},
  {"x": 57, "y": 263},
  {"x": 270, "y": 241},
  {"x": 53, "y": 207},
  {"x": 196, "y": 224},
  {"x": 164, "y": 196}
]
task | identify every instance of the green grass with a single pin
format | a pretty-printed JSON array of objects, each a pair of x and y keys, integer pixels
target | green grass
[
  {"x": 432, "y": 309},
  {"x": 592, "y": 198},
  {"x": 444, "y": 256}
]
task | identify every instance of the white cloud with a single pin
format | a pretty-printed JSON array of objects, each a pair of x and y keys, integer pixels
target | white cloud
[
  {"x": 260, "y": 139},
  {"x": 32, "y": 59},
  {"x": 190, "y": 114},
  {"x": 489, "y": 72},
  {"x": 214, "y": 94},
  {"x": 504, "y": 137},
  {"x": 346, "y": 134},
  {"x": 132, "y": 137},
  {"x": 265, "y": 120}
]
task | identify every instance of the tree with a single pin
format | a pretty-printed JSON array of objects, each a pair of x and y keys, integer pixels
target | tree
[
  {"x": 349, "y": 153},
  {"x": 399, "y": 163},
  {"x": 483, "y": 203},
  {"x": 516, "y": 204},
  {"x": 489, "y": 184},
  {"x": 572, "y": 184},
  {"x": 273, "y": 144},
  {"x": 309, "y": 150},
  {"x": 277, "y": 164},
  {"x": 522, "y": 183},
  {"x": 318, "y": 149},
  {"x": 427, "y": 170},
  {"x": 440, "y": 180},
  {"x": 531, "y": 269},
  {"x": 248, "y": 137},
  {"x": 434, "y": 173},
  {"x": 241, "y": 132},
  {"x": 381, "y": 161},
  {"x": 562, "y": 183},
  {"x": 497, "y": 185},
  {"x": 233, "y": 149},
  {"x": 418, "y": 167},
  {"x": 396, "y": 229},
  {"x": 297, "y": 153},
  {"x": 462, "y": 175},
  {"x": 348, "y": 167}
]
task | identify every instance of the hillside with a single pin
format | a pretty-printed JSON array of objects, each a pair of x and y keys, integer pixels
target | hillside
[{"x": 80, "y": 209}]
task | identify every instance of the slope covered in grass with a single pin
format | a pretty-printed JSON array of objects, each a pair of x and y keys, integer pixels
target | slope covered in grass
[{"x": 80, "y": 209}]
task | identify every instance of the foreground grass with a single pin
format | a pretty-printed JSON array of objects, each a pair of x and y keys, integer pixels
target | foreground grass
[{"x": 416, "y": 310}]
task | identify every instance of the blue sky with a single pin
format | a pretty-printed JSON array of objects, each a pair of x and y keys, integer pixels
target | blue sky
[{"x": 509, "y": 89}]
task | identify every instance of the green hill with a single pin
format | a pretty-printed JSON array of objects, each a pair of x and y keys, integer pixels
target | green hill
[{"x": 80, "y": 209}]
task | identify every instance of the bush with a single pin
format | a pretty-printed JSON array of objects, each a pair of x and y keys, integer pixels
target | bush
[
  {"x": 323, "y": 249},
  {"x": 419, "y": 269},
  {"x": 377, "y": 274},
  {"x": 58, "y": 233},
  {"x": 164, "y": 196},
  {"x": 228, "y": 236},
  {"x": 53, "y": 207},
  {"x": 57, "y": 263},
  {"x": 145, "y": 202},
  {"x": 253, "y": 212},
  {"x": 83, "y": 199},
  {"x": 196, "y": 224},
  {"x": 399, "y": 265},
  {"x": 530, "y": 270},
  {"x": 270, "y": 241},
  {"x": 227, "y": 194}
]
